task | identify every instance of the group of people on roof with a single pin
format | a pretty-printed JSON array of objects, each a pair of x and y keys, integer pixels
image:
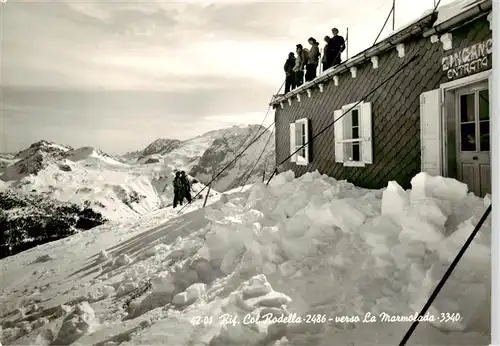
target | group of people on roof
[
  {"x": 308, "y": 60},
  {"x": 182, "y": 188}
]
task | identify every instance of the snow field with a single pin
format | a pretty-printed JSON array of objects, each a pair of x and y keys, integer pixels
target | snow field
[{"x": 311, "y": 245}]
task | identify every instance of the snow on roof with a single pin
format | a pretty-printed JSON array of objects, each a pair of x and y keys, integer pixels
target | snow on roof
[
  {"x": 453, "y": 9},
  {"x": 406, "y": 25},
  {"x": 445, "y": 12}
]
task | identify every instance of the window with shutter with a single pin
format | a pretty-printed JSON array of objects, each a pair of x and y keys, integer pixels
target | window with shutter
[
  {"x": 302, "y": 141},
  {"x": 353, "y": 135},
  {"x": 299, "y": 142}
]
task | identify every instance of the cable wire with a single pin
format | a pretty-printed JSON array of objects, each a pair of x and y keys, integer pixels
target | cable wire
[
  {"x": 435, "y": 7},
  {"x": 227, "y": 166},
  {"x": 214, "y": 177},
  {"x": 258, "y": 159},
  {"x": 385, "y": 23},
  {"x": 445, "y": 277},
  {"x": 261, "y": 124}
]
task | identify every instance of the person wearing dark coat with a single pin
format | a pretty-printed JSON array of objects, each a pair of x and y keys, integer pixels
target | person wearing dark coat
[
  {"x": 178, "y": 190},
  {"x": 300, "y": 64},
  {"x": 186, "y": 187},
  {"x": 336, "y": 46},
  {"x": 313, "y": 59},
  {"x": 290, "y": 78},
  {"x": 327, "y": 58}
]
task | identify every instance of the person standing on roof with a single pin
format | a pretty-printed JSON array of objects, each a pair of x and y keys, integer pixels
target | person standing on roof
[
  {"x": 178, "y": 190},
  {"x": 186, "y": 187},
  {"x": 327, "y": 58},
  {"x": 313, "y": 59},
  {"x": 300, "y": 63},
  {"x": 336, "y": 46},
  {"x": 290, "y": 78}
]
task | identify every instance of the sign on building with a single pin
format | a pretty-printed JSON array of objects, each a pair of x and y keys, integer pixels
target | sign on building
[{"x": 469, "y": 60}]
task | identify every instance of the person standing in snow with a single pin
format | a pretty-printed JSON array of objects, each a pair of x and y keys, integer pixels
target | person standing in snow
[
  {"x": 178, "y": 189},
  {"x": 327, "y": 59},
  {"x": 300, "y": 63},
  {"x": 288, "y": 67},
  {"x": 186, "y": 187},
  {"x": 313, "y": 59},
  {"x": 336, "y": 46}
]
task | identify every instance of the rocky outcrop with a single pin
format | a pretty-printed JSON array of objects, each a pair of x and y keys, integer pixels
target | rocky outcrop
[
  {"x": 160, "y": 146},
  {"x": 224, "y": 150}
]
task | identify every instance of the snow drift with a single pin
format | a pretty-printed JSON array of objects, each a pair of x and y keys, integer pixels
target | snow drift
[{"x": 306, "y": 261}]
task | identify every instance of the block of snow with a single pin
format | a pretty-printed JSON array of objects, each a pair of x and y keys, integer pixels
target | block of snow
[
  {"x": 123, "y": 260},
  {"x": 447, "y": 189},
  {"x": 282, "y": 179},
  {"x": 252, "y": 216},
  {"x": 287, "y": 269},
  {"x": 231, "y": 259},
  {"x": 255, "y": 287},
  {"x": 126, "y": 287},
  {"x": 62, "y": 310},
  {"x": 240, "y": 334},
  {"x": 394, "y": 200},
  {"x": 180, "y": 299},
  {"x": 104, "y": 256},
  {"x": 269, "y": 268},
  {"x": 79, "y": 322},
  {"x": 204, "y": 270},
  {"x": 487, "y": 200},
  {"x": 272, "y": 299},
  {"x": 108, "y": 291},
  {"x": 163, "y": 282},
  {"x": 195, "y": 291},
  {"x": 157, "y": 249}
]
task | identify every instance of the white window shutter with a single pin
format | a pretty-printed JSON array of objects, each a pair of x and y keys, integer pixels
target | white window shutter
[
  {"x": 339, "y": 135},
  {"x": 366, "y": 133},
  {"x": 306, "y": 122},
  {"x": 299, "y": 124},
  {"x": 430, "y": 132},
  {"x": 293, "y": 158}
]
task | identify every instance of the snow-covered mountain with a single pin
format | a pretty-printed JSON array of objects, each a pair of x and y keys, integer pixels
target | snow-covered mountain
[
  {"x": 306, "y": 261},
  {"x": 206, "y": 155},
  {"x": 160, "y": 146},
  {"x": 89, "y": 178},
  {"x": 118, "y": 189}
]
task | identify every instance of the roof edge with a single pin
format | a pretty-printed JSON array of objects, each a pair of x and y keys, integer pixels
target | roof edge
[{"x": 461, "y": 18}]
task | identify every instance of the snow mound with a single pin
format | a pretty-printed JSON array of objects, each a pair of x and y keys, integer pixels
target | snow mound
[
  {"x": 80, "y": 321},
  {"x": 304, "y": 261}
]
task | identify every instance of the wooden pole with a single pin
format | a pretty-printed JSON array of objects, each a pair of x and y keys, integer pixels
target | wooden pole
[
  {"x": 264, "y": 176},
  {"x": 393, "y": 14},
  {"x": 347, "y": 43},
  {"x": 206, "y": 197}
]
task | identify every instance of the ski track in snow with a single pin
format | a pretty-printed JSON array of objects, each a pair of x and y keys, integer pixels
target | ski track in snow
[{"x": 311, "y": 245}]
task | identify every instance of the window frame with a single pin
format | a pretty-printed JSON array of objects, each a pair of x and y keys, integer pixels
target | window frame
[
  {"x": 365, "y": 143},
  {"x": 301, "y": 136}
]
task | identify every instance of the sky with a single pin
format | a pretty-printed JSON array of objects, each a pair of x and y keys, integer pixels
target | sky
[{"x": 118, "y": 75}]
